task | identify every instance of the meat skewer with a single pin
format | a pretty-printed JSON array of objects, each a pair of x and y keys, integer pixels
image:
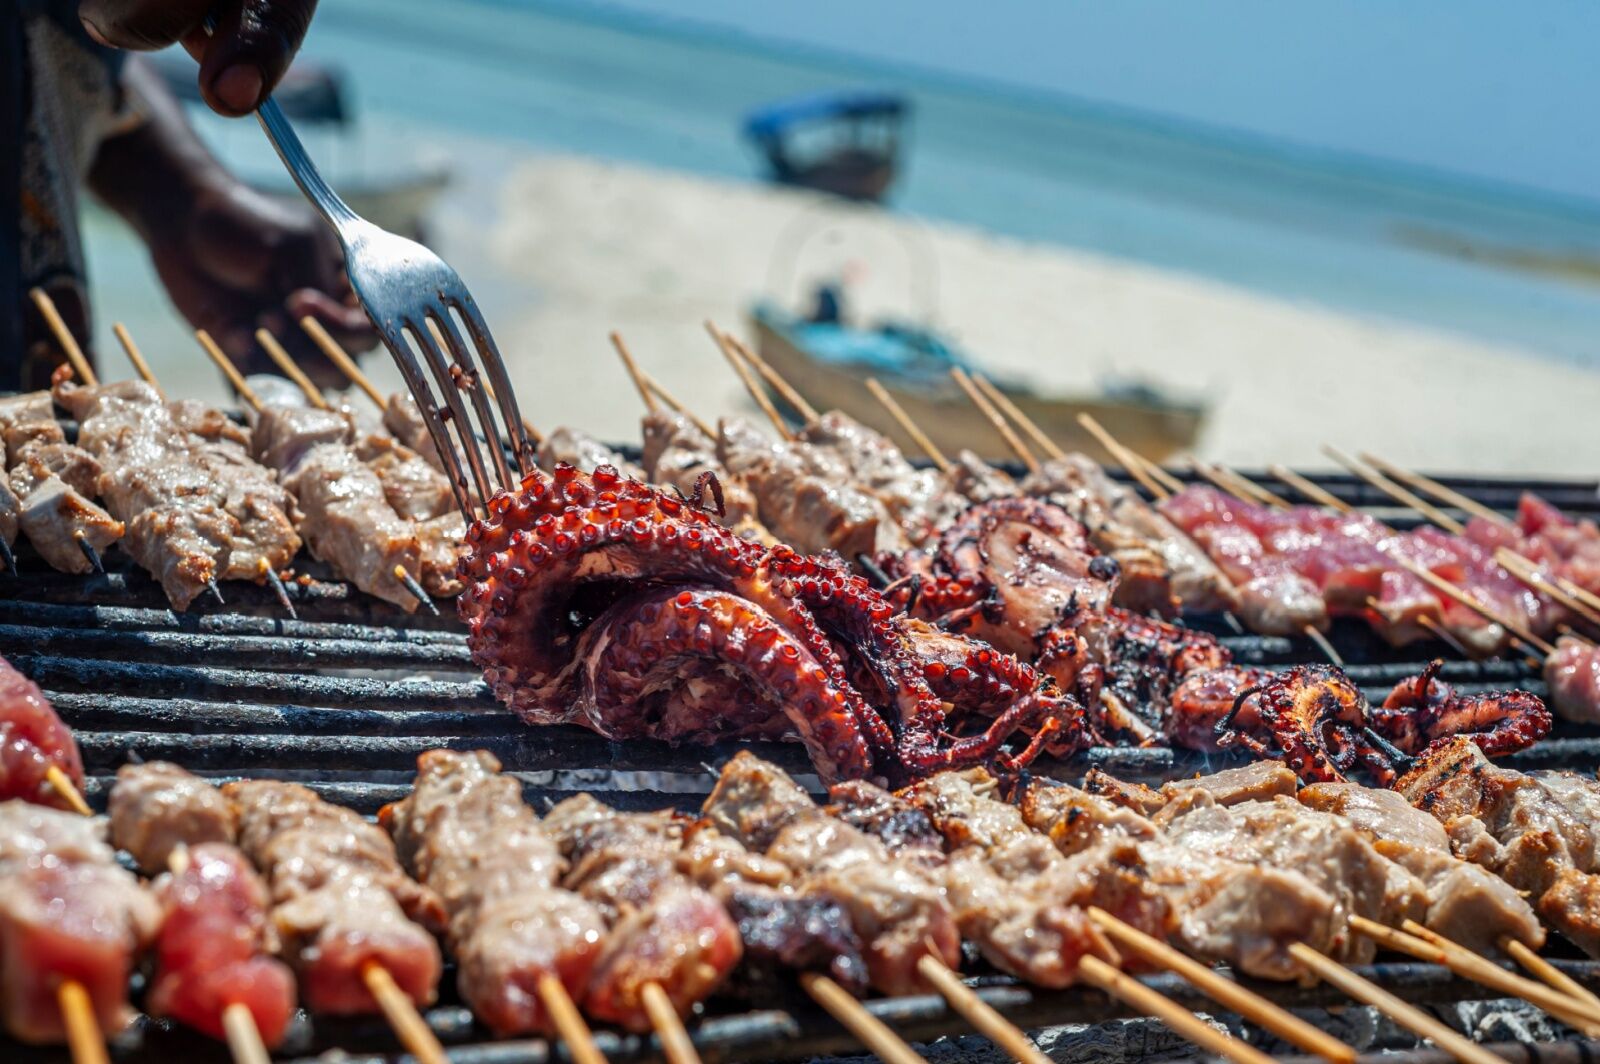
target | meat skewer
[
  {"x": 348, "y": 520},
  {"x": 523, "y": 944}
]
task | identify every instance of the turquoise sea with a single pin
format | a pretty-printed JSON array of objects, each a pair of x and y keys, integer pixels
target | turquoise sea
[{"x": 1355, "y": 235}]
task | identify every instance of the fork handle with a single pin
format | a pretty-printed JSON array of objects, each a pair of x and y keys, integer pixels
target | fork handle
[{"x": 302, "y": 169}]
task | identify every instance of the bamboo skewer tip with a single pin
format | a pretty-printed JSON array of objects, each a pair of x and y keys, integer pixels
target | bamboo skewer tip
[
  {"x": 730, "y": 352},
  {"x": 401, "y": 1012},
  {"x": 1104, "y": 977},
  {"x": 62, "y": 784},
  {"x": 84, "y": 1039},
  {"x": 676, "y": 1044},
  {"x": 229, "y": 370},
  {"x": 1022, "y": 420},
  {"x": 910, "y": 427},
  {"x": 568, "y": 1021},
  {"x": 868, "y": 1029},
  {"x": 993, "y": 416},
  {"x": 985, "y": 1019},
  {"x": 341, "y": 358},
  {"x": 63, "y": 335},
  {"x": 1224, "y": 991},
  {"x": 281, "y": 358}
]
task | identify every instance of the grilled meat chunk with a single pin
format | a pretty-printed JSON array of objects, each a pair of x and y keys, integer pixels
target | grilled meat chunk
[
  {"x": 1018, "y": 898},
  {"x": 33, "y": 740},
  {"x": 49, "y": 491},
  {"x": 157, "y": 808},
  {"x": 806, "y": 496},
  {"x": 465, "y": 832},
  {"x": 1466, "y": 903},
  {"x": 978, "y": 481},
  {"x": 897, "y": 909},
  {"x": 214, "y": 948},
  {"x": 582, "y": 451},
  {"x": 1573, "y": 673},
  {"x": 67, "y": 911},
  {"x": 921, "y": 500},
  {"x": 1536, "y": 830},
  {"x": 665, "y": 929},
  {"x": 677, "y": 455},
  {"x": 340, "y": 898}
]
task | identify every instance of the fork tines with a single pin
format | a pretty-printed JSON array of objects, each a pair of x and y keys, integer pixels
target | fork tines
[{"x": 494, "y": 451}]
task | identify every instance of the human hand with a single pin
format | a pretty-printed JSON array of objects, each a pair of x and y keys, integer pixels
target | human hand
[
  {"x": 237, "y": 261},
  {"x": 240, "y": 63}
]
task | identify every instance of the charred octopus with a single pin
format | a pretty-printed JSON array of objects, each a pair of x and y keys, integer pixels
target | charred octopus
[{"x": 596, "y": 599}]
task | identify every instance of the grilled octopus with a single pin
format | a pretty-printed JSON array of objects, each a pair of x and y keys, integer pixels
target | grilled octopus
[
  {"x": 596, "y": 599},
  {"x": 1424, "y": 710}
]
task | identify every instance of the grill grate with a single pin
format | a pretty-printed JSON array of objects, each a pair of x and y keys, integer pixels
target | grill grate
[{"x": 345, "y": 698}]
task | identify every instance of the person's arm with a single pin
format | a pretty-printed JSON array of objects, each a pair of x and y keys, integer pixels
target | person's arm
[
  {"x": 231, "y": 258},
  {"x": 240, "y": 63}
]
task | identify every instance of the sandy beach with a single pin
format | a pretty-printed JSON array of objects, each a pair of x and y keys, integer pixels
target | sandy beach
[{"x": 560, "y": 250}]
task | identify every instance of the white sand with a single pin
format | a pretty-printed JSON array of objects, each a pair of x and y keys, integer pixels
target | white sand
[{"x": 580, "y": 247}]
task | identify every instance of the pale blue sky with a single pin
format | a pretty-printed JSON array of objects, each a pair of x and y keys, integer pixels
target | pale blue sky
[{"x": 1499, "y": 90}]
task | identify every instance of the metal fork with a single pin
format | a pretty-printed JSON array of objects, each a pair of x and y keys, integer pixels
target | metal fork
[{"x": 407, "y": 289}]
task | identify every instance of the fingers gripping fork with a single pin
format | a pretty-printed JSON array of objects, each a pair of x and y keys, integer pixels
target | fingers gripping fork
[{"x": 412, "y": 298}]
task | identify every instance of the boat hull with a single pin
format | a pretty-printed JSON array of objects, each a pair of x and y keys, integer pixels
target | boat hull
[{"x": 952, "y": 422}]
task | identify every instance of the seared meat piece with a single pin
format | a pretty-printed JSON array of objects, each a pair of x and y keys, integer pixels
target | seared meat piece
[
  {"x": 350, "y": 525},
  {"x": 1536, "y": 830},
  {"x": 157, "y": 807},
  {"x": 921, "y": 500},
  {"x": 664, "y": 928},
  {"x": 1223, "y": 909},
  {"x": 806, "y": 496},
  {"x": 214, "y": 947},
  {"x": 285, "y": 435},
  {"x": 465, "y": 832},
  {"x": 340, "y": 898},
  {"x": 1286, "y": 835},
  {"x": 1466, "y": 903},
  {"x": 439, "y": 541},
  {"x": 416, "y": 490},
  {"x": 32, "y": 741},
  {"x": 1573, "y": 673},
  {"x": 1161, "y": 566},
  {"x": 582, "y": 451},
  {"x": 896, "y": 908},
  {"x": 1259, "y": 781},
  {"x": 978, "y": 481},
  {"x": 195, "y": 512},
  {"x": 67, "y": 911},
  {"x": 404, "y": 420},
  {"x": 1202, "y": 699},
  {"x": 1018, "y": 898},
  {"x": 677, "y": 454},
  {"x": 51, "y": 484}
]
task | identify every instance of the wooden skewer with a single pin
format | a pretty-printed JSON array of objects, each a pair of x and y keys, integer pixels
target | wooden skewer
[
  {"x": 632, "y": 367},
  {"x": 911, "y": 428},
  {"x": 1408, "y": 1016},
  {"x": 281, "y": 359},
  {"x": 87, "y": 1044},
  {"x": 676, "y": 406},
  {"x": 401, "y": 1012},
  {"x": 1000, "y": 424},
  {"x": 1439, "y": 583},
  {"x": 1436, "y": 489},
  {"x": 758, "y": 393},
  {"x": 238, "y": 1022},
  {"x": 978, "y": 1012},
  {"x": 1310, "y": 489},
  {"x": 229, "y": 370},
  {"x": 244, "y": 1038},
  {"x": 1259, "y": 492},
  {"x": 341, "y": 358},
  {"x": 1436, "y": 949},
  {"x": 61, "y": 783},
  {"x": 136, "y": 356},
  {"x": 1135, "y": 465},
  {"x": 868, "y": 1029},
  {"x": 675, "y": 1043},
  {"x": 568, "y": 1021},
  {"x": 772, "y": 377},
  {"x": 1014, "y": 412},
  {"x": 1523, "y": 955},
  {"x": 1536, "y": 578},
  {"x": 63, "y": 335},
  {"x": 1323, "y": 644},
  {"x": 1097, "y": 973},
  {"x": 1225, "y": 992},
  {"x": 1395, "y": 491},
  {"x": 1444, "y": 635}
]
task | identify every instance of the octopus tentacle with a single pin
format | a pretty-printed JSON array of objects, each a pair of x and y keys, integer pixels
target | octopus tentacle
[
  {"x": 600, "y": 600},
  {"x": 1424, "y": 710},
  {"x": 643, "y": 646}
]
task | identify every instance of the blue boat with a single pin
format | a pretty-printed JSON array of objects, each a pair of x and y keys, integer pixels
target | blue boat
[
  {"x": 843, "y": 143},
  {"x": 829, "y": 361}
]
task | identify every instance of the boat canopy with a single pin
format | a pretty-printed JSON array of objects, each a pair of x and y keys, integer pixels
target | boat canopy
[{"x": 772, "y": 121}]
